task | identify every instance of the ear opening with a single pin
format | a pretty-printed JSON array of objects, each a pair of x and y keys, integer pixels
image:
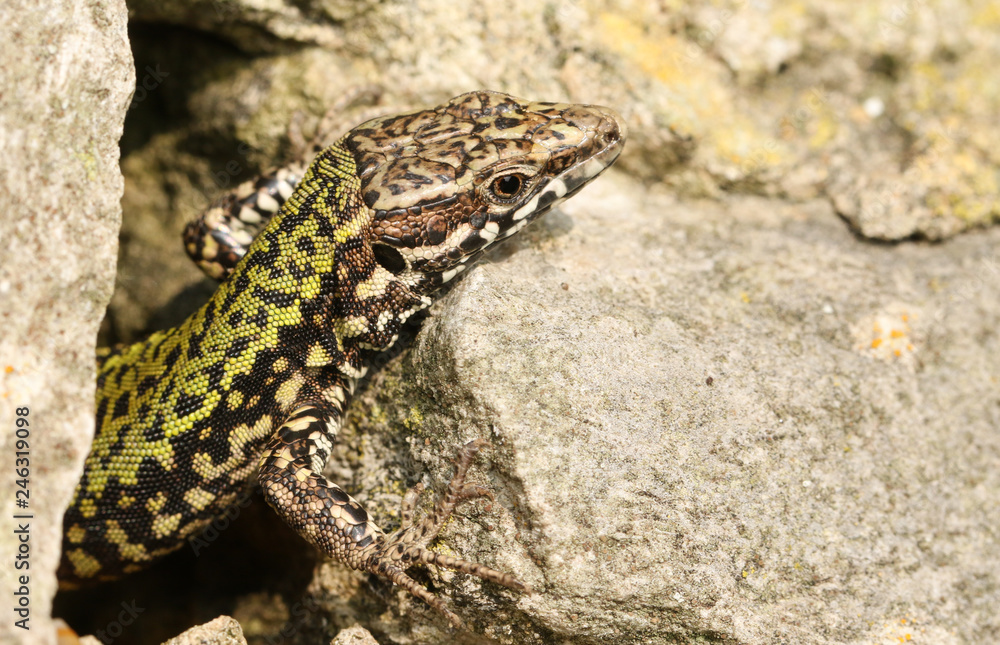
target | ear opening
[{"x": 389, "y": 258}]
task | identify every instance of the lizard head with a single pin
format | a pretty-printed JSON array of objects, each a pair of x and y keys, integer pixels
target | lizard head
[{"x": 445, "y": 184}]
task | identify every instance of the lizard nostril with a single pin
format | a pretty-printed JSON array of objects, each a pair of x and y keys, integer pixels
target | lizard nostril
[{"x": 612, "y": 128}]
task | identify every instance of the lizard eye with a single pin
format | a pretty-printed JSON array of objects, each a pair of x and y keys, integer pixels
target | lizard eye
[{"x": 507, "y": 187}]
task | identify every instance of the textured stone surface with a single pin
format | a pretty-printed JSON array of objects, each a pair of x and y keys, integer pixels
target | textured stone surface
[
  {"x": 356, "y": 635},
  {"x": 66, "y": 79},
  {"x": 221, "y": 631},
  {"x": 736, "y": 422},
  {"x": 717, "y": 413}
]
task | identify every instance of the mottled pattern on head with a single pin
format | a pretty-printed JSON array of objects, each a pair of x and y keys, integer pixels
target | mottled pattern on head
[{"x": 443, "y": 184}]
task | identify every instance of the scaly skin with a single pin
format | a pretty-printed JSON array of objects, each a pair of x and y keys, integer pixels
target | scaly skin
[{"x": 253, "y": 386}]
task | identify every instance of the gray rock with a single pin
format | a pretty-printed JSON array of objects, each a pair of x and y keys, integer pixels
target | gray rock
[
  {"x": 221, "y": 631},
  {"x": 66, "y": 74},
  {"x": 259, "y": 27},
  {"x": 356, "y": 635},
  {"x": 736, "y": 423}
]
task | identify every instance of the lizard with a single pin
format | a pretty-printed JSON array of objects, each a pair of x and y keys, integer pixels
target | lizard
[{"x": 320, "y": 266}]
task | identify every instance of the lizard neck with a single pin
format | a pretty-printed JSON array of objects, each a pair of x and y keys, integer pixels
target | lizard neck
[{"x": 311, "y": 276}]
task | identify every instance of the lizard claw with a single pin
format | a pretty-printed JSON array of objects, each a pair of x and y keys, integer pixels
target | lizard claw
[{"x": 407, "y": 546}]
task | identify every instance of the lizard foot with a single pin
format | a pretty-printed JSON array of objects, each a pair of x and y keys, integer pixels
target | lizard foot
[{"x": 408, "y": 545}]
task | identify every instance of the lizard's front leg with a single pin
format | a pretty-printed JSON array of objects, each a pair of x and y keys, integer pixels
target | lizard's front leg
[
  {"x": 322, "y": 513},
  {"x": 218, "y": 238}
]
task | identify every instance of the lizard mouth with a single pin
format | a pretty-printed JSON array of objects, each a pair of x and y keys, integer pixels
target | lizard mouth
[
  {"x": 587, "y": 161},
  {"x": 440, "y": 202},
  {"x": 609, "y": 136},
  {"x": 578, "y": 163}
]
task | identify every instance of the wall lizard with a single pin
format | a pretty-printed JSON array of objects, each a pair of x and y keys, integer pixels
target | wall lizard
[{"x": 321, "y": 267}]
